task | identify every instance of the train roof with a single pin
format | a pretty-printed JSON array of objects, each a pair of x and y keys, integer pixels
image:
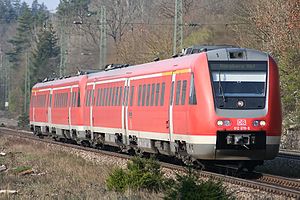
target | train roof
[
  {"x": 122, "y": 71},
  {"x": 55, "y": 82},
  {"x": 147, "y": 68}
]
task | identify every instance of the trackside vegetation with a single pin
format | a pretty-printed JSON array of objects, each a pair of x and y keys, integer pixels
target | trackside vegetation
[{"x": 145, "y": 174}]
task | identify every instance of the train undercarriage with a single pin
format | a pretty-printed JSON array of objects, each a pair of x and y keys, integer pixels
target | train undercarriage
[{"x": 133, "y": 145}]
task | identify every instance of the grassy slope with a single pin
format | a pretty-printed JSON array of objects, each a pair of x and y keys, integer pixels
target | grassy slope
[{"x": 62, "y": 175}]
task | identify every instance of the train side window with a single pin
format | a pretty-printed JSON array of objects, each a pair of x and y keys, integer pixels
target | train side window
[
  {"x": 63, "y": 99},
  {"x": 86, "y": 97},
  {"x": 192, "y": 95},
  {"x": 139, "y": 95},
  {"x": 66, "y": 99},
  {"x": 125, "y": 95},
  {"x": 59, "y": 100},
  {"x": 117, "y": 95},
  {"x": 178, "y": 88},
  {"x": 131, "y": 95},
  {"x": 78, "y": 99},
  {"x": 103, "y": 97},
  {"x": 148, "y": 95},
  {"x": 92, "y": 98},
  {"x": 172, "y": 93},
  {"x": 96, "y": 100},
  {"x": 152, "y": 94},
  {"x": 183, "y": 92},
  {"x": 110, "y": 95},
  {"x": 113, "y": 96},
  {"x": 120, "y": 95},
  {"x": 55, "y": 100},
  {"x": 99, "y": 96},
  {"x": 106, "y": 97},
  {"x": 157, "y": 94},
  {"x": 162, "y": 99},
  {"x": 143, "y": 94},
  {"x": 75, "y": 99},
  {"x": 72, "y": 99}
]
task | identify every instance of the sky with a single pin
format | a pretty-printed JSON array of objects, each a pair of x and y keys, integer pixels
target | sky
[{"x": 51, "y": 4}]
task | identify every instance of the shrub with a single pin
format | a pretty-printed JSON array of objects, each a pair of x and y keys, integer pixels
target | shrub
[
  {"x": 117, "y": 180},
  {"x": 189, "y": 187},
  {"x": 140, "y": 174},
  {"x": 23, "y": 120}
]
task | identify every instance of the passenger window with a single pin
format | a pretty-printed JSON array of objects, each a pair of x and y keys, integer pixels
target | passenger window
[
  {"x": 162, "y": 99},
  {"x": 106, "y": 97},
  {"x": 50, "y": 100},
  {"x": 178, "y": 88},
  {"x": 131, "y": 95},
  {"x": 87, "y": 98},
  {"x": 183, "y": 93},
  {"x": 100, "y": 97},
  {"x": 110, "y": 96},
  {"x": 120, "y": 96},
  {"x": 152, "y": 94},
  {"x": 139, "y": 95},
  {"x": 125, "y": 101},
  {"x": 113, "y": 97},
  {"x": 103, "y": 97},
  {"x": 157, "y": 94},
  {"x": 192, "y": 96},
  {"x": 117, "y": 95},
  {"x": 78, "y": 99},
  {"x": 148, "y": 95},
  {"x": 92, "y": 98},
  {"x": 144, "y": 94}
]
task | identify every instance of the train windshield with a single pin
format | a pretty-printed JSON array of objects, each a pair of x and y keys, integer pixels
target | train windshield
[
  {"x": 239, "y": 81},
  {"x": 239, "y": 84}
]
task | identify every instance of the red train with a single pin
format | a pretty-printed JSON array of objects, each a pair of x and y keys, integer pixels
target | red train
[{"x": 217, "y": 103}]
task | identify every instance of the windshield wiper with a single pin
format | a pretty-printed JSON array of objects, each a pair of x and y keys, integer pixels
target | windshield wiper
[{"x": 221, "y": 91}]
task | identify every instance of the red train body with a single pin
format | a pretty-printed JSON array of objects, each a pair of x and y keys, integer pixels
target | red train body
[{"x": 221, "y": 104}]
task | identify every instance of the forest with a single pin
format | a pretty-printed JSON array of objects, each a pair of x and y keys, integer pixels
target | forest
[{"x": 36, "y": 43}]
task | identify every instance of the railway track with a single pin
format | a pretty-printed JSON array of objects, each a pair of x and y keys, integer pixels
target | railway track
[
  {"x": 265, "y": 182},
  {"x": 294, "y": 155}
]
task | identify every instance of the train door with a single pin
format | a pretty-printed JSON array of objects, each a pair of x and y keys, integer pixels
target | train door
[
  {"x": 180, "y": 103},
  {"x": 125, "y": 111},
  {"x": 91, "y": 107},
  {"x": 70, "y": 107},
  {"x": 171, "y": 102},
  {"x": 86, "y": 106},
  {"x": 49, "y": 107}
]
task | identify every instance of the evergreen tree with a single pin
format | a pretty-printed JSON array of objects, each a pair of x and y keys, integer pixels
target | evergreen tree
[
  {"x": 44, "y": 59},
  {"x": 17, "y": 7},
  {"x": 21, "y": 41}
]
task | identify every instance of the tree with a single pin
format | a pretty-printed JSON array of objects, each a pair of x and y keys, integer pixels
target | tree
[{"x": 44, "y": 60}]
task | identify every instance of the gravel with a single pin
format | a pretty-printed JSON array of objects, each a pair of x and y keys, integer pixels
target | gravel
[{"x": 238, "y": 191}]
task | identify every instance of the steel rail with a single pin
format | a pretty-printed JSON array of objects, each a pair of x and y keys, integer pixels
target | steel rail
[{"x": 268, "y": 183}]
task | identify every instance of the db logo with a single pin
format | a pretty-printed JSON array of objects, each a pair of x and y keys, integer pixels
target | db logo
[{"x": 241, "y": 122}]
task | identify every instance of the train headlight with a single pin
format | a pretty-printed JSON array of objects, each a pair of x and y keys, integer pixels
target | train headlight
[
  {"x": 259, "y": 123},
  {"x": 262, "y": 123},
  {"x": 227, "y": 122},
  {"x": 255, "y": 123},
  {"x": 220, "y": 123},
  {"x": 224, "y": 122}
]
